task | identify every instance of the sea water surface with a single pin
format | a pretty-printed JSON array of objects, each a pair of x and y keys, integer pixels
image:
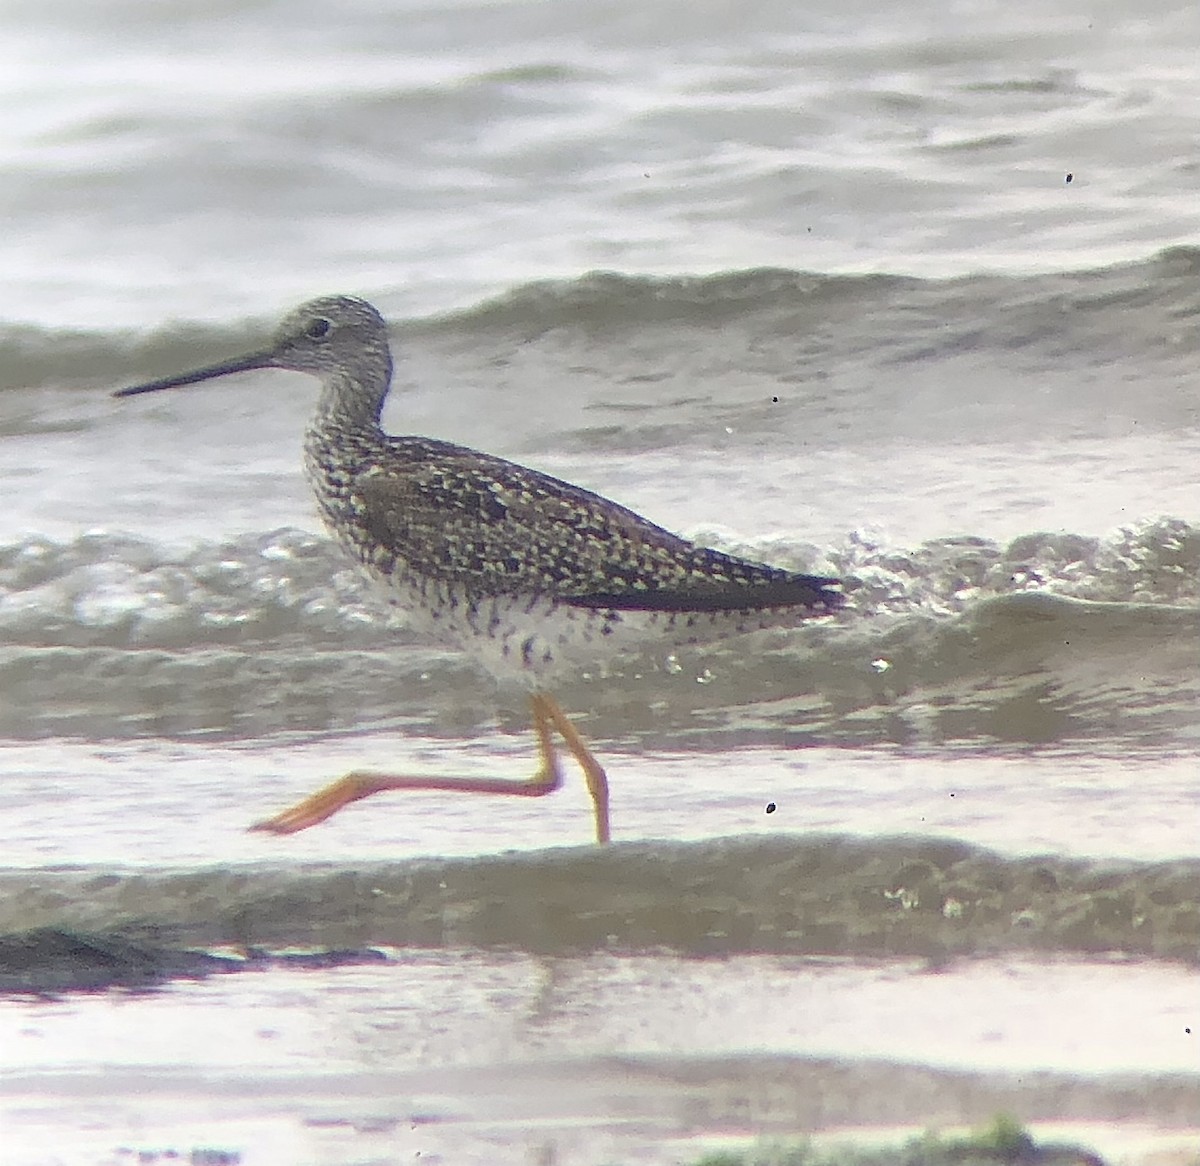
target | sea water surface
[{"x": 908, "y": 296}]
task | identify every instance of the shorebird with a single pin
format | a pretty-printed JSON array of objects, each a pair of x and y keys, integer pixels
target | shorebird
[{"x": 525, "y": 571}]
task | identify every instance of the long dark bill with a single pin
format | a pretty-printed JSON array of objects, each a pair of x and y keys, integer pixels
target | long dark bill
[{"x": 237, "y": 364}]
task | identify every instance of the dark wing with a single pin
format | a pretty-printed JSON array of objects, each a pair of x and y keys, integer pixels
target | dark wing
[{"x": 496, "y": 528}]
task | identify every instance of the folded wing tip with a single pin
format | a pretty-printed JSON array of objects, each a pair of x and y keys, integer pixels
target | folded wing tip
[{"x": 812, "y": 593}]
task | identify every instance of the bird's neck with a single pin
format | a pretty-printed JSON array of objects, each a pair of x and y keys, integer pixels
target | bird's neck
[
  {"x": 342, "y": 441},
  {"x": 354, "y": 403},
  {"x": 345, "y": 438}
]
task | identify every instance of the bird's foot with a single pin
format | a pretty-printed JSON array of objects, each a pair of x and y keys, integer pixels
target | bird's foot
[{"x": 321, "y": 805}]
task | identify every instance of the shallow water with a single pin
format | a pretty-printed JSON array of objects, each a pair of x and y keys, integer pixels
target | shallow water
[{"x": 460, "y": 1053}]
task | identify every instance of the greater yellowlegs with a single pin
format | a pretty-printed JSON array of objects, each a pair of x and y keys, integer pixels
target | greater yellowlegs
[{"x": 526, "y": 571}]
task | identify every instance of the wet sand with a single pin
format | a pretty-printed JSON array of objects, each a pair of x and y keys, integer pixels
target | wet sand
[{"x": 600, "y": 1058}]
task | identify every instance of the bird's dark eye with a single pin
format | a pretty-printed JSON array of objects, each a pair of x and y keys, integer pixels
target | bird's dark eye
[{"x": 318, "y": 328}]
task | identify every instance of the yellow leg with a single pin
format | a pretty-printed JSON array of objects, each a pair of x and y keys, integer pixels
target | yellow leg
[
  {"x": 593, "y": 774},
  {"x": 547, "y": 717}
]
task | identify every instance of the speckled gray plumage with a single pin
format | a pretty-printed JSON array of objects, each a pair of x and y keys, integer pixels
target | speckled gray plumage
[
  {"x": 492, "y": 546},
  {"x": 493, "y": 528}
]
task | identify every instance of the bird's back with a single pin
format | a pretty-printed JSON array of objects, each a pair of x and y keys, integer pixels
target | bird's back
[
  {"x": 493, "y": 527},
  {"x": 483, "y": 549}
]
